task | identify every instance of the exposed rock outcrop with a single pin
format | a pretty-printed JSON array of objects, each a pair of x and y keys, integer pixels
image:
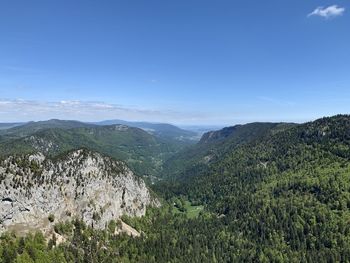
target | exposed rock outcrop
[
  {"x": 214, "y": 136},
  {"x": 83, "y": 184}
]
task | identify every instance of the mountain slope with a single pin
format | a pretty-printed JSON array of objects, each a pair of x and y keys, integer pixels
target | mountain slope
[
  {"x": 8, "y": 125},
  {"x": 28, "y": 128},
  {"x": 162, "y": 130},
  {"x": 140, "y": 150},
  {"x": 284, "y": 195},
  {"x": 215, "y": 144},
  {"x": 280, "y": 194},
  {"x": 80, "y": 184}
]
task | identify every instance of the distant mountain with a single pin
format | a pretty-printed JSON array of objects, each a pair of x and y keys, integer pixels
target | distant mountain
[
  {"x": 163, "y": 130},
  {"x": 242, "y": 133},
  {"x": 142, "y": 151},
  {"x": 282, "y": 189},
  {"x": 214, "y": 144},
  {"x": 201, "y": 129},
  {"x": 24, "y": 129},
  {"x": 259, "y": 192},
  {"x": 4, "y": 126},
  {"x": 222, "y": 134}
]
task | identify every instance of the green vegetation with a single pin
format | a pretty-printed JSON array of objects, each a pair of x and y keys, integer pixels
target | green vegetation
[
  {"x": 185, "y": 207},
  {"x": 283, "y": 195},
  {"x": 51, "y": 218},
  {"x": 143, "y": 152},
  {"x": 161, "y": 130},
  {"x": 32, "y": 248},
  {"x": 272, "y": 193},
  {"x": 25, "y": 129},
  {"x": 214, "y": 145}
]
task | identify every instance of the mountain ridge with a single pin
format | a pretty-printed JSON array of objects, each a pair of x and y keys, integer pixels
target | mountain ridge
[
  {"x": 163, "y": 130},
  {"x": 214, "y": 144},
  {"x": 142, "y": 151},
  {"x": 260, "y": 192}
]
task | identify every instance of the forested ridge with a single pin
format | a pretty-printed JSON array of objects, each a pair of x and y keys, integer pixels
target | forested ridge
[
  {"x": 143, "y": 152},
  {"x": 278, "y": 195}
]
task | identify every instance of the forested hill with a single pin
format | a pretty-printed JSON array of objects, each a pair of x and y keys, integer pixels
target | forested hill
[
  {"x": 143, "y": 152},
  {"x": 287, "y": 193},
  {"x": 161, "y": 130},
  {"x": 25, "y": 129},
  {"x": 273, "y": 193},
  {"x": 290, "y": 149},
  {"x": 214, "y": 145}
]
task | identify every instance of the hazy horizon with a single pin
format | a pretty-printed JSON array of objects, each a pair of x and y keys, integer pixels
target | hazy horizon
[{"x": 180, "y": 125}]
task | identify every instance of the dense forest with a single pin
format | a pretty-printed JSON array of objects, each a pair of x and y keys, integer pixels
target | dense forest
[
  {"x": 270, "y": 193},
  {"x": 142, "y": 151}
]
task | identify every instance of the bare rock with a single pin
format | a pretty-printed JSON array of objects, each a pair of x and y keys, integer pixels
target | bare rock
[{"x": 80, "y": 184}]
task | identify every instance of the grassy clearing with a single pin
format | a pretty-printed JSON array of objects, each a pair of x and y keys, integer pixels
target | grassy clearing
[{"x": 192, "y": 211}]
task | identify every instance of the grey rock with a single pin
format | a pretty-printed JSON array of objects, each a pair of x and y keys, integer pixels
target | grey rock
[{"x": 81, "y": 184}]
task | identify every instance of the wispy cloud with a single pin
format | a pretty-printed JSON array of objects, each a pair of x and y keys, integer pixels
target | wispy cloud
[
  {"x": 328, "y": 12},
  {"x": 25, "y": 110}
]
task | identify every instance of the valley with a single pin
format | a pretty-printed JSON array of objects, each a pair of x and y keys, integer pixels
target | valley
[
  {"x": 174, "y": 131},
  {"x": 142, "y": 151},
  {"x": 267, "y": 192}
]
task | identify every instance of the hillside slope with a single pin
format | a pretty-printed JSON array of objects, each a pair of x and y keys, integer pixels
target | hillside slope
[
  {"x": 214, "y": 145},
  {"x": 273, "y": 193},
  {"x": 81, "y": 184},
  {"x": 161, "y": 130},
  {"x": 31, "y": 127},
  {"x": 9, "y": 125},
  {"x": 284, "y": 195},
  {"x": 140, "y": 150}
]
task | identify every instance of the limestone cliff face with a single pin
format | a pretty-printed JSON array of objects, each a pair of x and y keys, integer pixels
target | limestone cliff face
[
  {"x": 80, "y": 184},
  {"x": 215, "y": 136}
]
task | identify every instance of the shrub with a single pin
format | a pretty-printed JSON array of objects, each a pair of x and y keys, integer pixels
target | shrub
[{"x": 51, "y": 218}]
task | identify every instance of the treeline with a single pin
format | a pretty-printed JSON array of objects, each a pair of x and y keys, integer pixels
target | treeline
[{"x": 282, "y": 198}]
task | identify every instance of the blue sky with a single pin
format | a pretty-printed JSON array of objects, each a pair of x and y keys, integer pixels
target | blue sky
[{"x": 184, "y": 61}]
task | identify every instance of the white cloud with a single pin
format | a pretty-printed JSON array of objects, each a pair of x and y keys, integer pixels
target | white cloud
[
  {"x": 328, "y": 12},
  {"x": 12, "y": 110}
]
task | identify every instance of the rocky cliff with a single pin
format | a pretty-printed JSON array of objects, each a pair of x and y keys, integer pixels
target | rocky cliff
[{"x": 36, "y": 192}]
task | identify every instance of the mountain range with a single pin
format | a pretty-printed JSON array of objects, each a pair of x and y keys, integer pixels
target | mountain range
[
  {"x": 143, "y": 151},
  {"x": 258, "y": 192},
  {"x": 163, "y": 130}
]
